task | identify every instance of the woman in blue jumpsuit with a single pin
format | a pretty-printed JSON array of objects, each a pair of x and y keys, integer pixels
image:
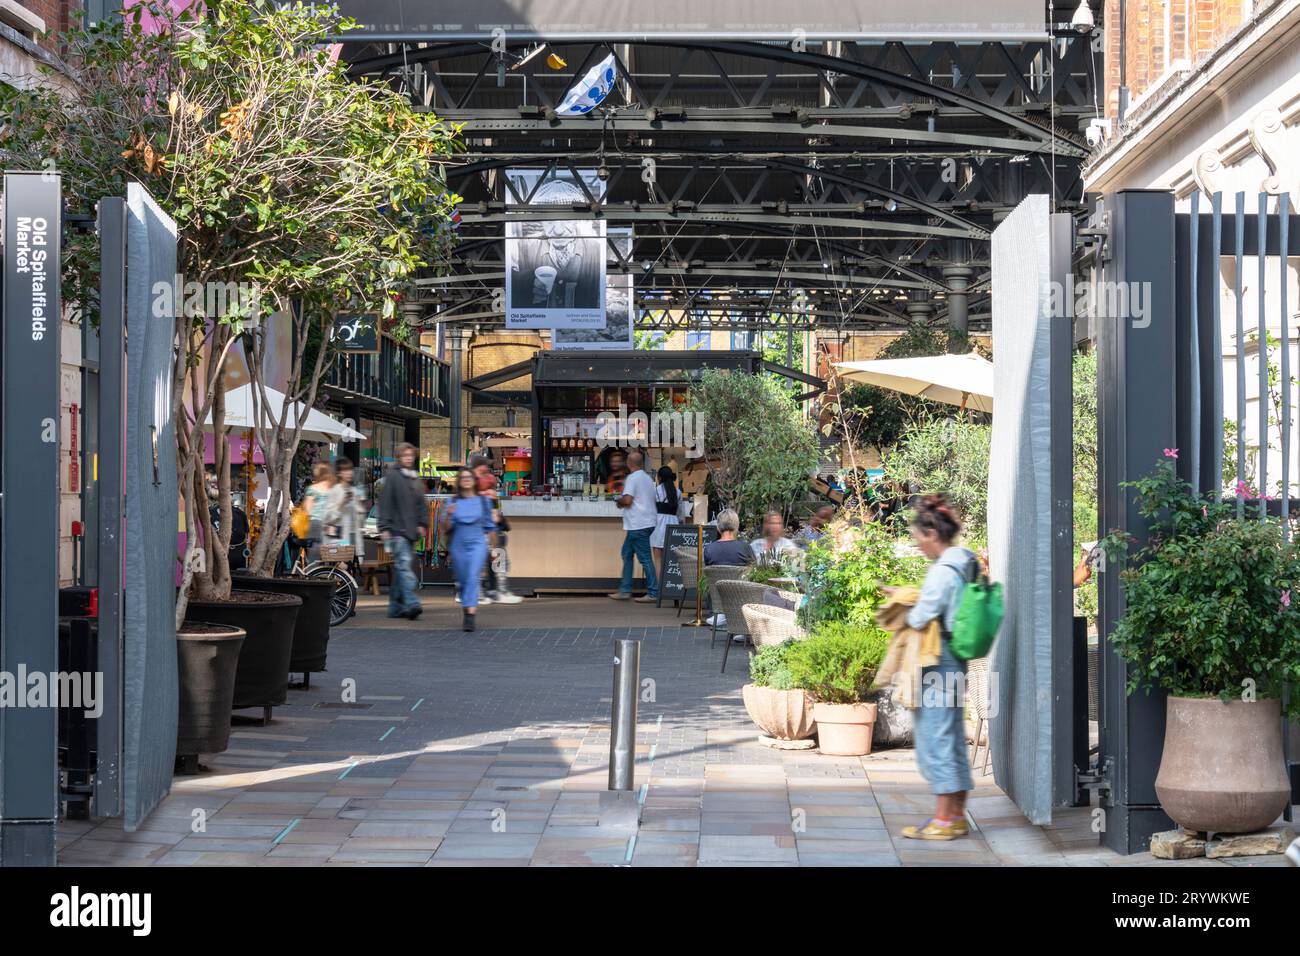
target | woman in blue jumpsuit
[{"x": 469, "y": 519}]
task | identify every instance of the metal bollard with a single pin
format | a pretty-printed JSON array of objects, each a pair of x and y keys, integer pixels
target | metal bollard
[{"x": 622, "y": 722}]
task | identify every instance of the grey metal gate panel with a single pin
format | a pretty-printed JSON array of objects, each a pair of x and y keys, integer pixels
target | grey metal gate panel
[
  {"x": 1028, "y": 520},
  {"x": 149, "y": 631}
]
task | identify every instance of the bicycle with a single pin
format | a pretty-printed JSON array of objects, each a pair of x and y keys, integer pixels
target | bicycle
[{"x": 343, "y": 599}]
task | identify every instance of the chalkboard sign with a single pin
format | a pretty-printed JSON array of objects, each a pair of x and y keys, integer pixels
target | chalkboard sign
[{"x": 670, "y": 574}]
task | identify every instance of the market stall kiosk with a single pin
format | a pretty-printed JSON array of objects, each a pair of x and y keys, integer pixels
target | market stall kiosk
[{"x": 588, "y": 410}]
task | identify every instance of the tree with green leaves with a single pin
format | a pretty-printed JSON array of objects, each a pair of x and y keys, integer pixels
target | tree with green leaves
[
  {"x": 948, "y": 456},
  {"x": 325, "y": 193},
  {"x": 759, "y": 447}
]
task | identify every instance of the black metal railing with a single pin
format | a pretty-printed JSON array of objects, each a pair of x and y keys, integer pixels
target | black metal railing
[{"x": 398, "y": 375}]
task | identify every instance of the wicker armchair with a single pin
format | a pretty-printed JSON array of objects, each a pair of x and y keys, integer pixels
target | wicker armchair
[
  {"x": 977, "y": 699},
  {"x": 734, "y": 595},
  {"x": 772, "y": 625},
  {"x": 713, "y": 574},
  {"x": 689, "y": 561}
]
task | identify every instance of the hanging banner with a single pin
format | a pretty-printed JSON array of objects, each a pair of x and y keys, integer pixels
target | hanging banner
[
  {"x": 619, "y": 303},
  {"x": 555, "y": 268}
]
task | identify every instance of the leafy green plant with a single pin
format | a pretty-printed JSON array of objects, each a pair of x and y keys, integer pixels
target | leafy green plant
[
  {"x": 1209, "y": 596},
  {"x": 1085, "y": 459},
  {"x": 769, "y": 667},
  {"x": 949, "y": 456},
  {"x": 766, "y": 568},
  {"x": 838, "y": 661},
  {"x": 759, "y": 447},
  {"x": 847, "y": 570}
]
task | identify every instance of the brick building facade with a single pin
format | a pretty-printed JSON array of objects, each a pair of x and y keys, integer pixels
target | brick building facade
[{"x": 1148, "y": 42}]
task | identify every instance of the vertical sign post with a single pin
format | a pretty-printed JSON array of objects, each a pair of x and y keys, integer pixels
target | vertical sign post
[{"x": 29, "y": 512}]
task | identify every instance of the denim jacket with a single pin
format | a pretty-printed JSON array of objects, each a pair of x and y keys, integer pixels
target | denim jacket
[{"x": 942, "y": 589}]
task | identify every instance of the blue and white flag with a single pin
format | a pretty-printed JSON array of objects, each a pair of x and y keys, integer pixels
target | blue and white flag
[{"x": 589, "y": 92}]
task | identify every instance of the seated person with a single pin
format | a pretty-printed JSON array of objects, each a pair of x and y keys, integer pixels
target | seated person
[
  {"x": 816, "y": 527},
  {"x": 774, "y": 542},
  {"x": 728, "y": 549}
]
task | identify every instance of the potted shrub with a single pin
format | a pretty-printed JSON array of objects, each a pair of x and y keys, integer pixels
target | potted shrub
[
  {"x": 207, "y": 656},
  {"x": 836, "y": 664},
  {"x": 781, "y": 710},
  {"x": 1211, "y": 620}
]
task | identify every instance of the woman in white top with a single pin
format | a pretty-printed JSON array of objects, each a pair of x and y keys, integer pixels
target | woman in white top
[
  {"x": 345, "y": 509},
  {"x": 774, "y": 543},
  {"x": 668, "y": 506}
]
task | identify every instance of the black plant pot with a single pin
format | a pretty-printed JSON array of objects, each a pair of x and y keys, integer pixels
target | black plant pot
[
  {"x": 207, "y": 656},
  {"x": 311, "y": 631},
  {"x": 262, "y": 678}
]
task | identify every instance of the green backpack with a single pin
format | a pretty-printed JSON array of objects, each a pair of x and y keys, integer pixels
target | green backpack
[{"x": 979, "y": 615}]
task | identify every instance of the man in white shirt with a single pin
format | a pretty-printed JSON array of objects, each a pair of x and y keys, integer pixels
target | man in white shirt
[{"x": 639, "y": 513}]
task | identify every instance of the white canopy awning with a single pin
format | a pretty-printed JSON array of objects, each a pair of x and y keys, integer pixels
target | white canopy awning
[
  {"x": 317, "y": 426},
  {"x": 965, "y": 380}
]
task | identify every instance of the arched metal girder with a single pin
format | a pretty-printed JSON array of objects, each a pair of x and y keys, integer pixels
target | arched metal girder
[
  {"x": 1047, "y": 139},
  {"x": 974, "y": 230},
  {"x": 721, "y": 215},
  {"x": 829, "y": 244},
  {"x": 1060, "y": 144}
]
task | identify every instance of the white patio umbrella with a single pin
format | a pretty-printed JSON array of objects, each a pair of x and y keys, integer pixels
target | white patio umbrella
[
  {"x": 965, "y": 380},
  {"x": 317, "y": 426}
]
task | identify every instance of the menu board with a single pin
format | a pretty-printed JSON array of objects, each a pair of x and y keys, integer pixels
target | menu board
[{"x": 671, "y": 585}]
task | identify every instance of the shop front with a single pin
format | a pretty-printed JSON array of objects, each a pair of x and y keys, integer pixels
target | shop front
[{"x": 588, "y": 412}]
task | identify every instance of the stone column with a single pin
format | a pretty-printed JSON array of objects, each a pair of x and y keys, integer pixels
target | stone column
[
  {"x": 958, "y": 279},
  {"x": 456, "y": 338}
]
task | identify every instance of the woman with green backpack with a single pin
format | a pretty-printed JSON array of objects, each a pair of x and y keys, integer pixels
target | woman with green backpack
[{"x": 940, "y": 724}]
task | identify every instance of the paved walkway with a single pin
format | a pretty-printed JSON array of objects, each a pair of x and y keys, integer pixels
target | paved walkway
[{"x": 491, "y": 749}]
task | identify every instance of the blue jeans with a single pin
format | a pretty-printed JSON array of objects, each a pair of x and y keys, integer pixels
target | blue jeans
[
  {"x": 941, "y": 726},
  {"x": 402, "y": 589},
  {"x": 638, "y": 543}
]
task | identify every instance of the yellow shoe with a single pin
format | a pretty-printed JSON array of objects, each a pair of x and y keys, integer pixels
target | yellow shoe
[{"x": 937, "y": 831}]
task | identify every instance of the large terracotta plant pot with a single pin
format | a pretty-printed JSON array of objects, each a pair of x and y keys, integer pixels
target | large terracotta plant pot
[
  {"x": 262, "y": 678},
  {"x": 311, "y": 629},
  {"x": 1222, "y": 769},
  {"x": 844, "y": 730},
  {"x": 783, "y": 714},
  {"x": 207, "y": 656}
]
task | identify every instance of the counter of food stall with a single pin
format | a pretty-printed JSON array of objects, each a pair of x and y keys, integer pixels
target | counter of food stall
[{"x": 565, "y": 544}]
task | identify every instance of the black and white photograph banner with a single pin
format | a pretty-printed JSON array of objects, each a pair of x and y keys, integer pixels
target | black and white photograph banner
[
  {"x": 619, "y": 314},
  {"x": 555, "y": 268}
]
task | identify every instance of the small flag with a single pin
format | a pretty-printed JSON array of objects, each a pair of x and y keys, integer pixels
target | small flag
[{"x": 591, "y": 90}]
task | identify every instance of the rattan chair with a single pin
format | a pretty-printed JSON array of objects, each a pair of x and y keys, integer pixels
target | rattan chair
[
  {"x": 772, "y": 625},
  {"x": 977, "y": 699},
  {"x": 734, "y": 595},
  {"x": 689, "y": 561},
  {"x": 714, "y": 573}
]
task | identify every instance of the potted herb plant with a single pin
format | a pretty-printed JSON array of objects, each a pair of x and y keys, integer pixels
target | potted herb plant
[
  {"x": 782, "y": 711},
  {"x": 1211, "y": 620},
  {"x": 836, "y": 664}
]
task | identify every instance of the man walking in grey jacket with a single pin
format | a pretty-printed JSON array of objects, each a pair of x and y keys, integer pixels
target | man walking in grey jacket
[{"x": 403, "y": 519}]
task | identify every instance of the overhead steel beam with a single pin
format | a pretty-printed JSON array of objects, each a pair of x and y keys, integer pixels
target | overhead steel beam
[{"x": 721, "y": 214}]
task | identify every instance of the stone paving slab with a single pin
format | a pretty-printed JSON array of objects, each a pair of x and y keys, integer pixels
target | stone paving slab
[{"x": 491, "y": 749}]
